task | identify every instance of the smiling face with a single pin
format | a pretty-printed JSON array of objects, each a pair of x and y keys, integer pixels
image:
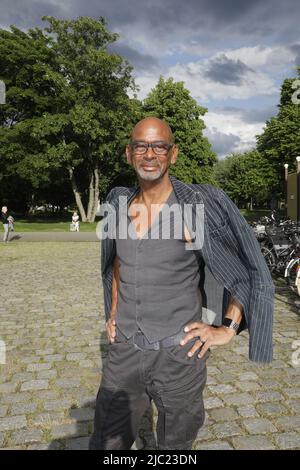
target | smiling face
[{"x": 151, "y": 166}]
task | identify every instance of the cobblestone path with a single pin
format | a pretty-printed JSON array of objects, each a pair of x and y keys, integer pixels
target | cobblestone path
[{"x": 51, "y": 320}]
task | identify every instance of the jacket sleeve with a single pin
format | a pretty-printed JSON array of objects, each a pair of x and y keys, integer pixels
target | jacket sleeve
[
  {"x": 259, "y": 314},
  {"x": 108, "y": 252}
]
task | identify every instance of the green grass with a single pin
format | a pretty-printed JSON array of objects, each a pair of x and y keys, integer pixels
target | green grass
[
  {"x": 63, "y": 225},
  {"x": 51, "y": 226},
  {"x": 255, "y": 214}
]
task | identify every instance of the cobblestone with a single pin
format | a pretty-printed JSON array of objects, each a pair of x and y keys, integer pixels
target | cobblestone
[
  {"x": 221, "y": 430},
  {"x": 68, "y": 383},
  {"x": 213, "y": 445},
  {"x": 79, "y": 443},
  {"x": 3, "y": 411},
  {"x": 73, "y": 429},
  {"x": 57, "y": 404},
  {"x": 8, "y": 387},
  {"x": 272, "y": 409},
  {"x": 15, "y": 422},
  {"x": 288, "y": 440},
  {"x": 20, "y": 408},
  {"x": 247, "y": 411},
  {"x": 212, "y": 403},
  {"x": 288, "y": 423},
  {"x": 38, "y": 367},
  {"x": 238, "y": 399},
  {"x": 34, "y": 385},
  {"x": 27, "y": 437},
  {"x": 48, "y": 386},
  {"x": 259, "y": 426},
  {"x": 84, "y": 414},
  {"x": 224, "y": 414},
  {"x": 253, "y": 443}
]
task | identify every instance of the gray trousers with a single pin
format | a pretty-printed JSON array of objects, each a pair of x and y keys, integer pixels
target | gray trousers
[
  {"x": 132, "y": 377},
  {"x": 6, "y": 232}
]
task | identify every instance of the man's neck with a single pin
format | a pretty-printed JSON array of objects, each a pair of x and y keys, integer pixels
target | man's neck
[{"x": 155, "y": 192}]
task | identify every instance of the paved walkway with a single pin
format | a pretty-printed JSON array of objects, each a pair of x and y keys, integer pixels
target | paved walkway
[
  {"x": 52, "y": 237},
  {"x": 52, "y": 323}
]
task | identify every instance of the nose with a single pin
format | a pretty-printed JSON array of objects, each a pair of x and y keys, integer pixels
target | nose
[{"x": 150, "y": 153}]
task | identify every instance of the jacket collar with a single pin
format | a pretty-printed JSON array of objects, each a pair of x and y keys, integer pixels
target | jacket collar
[{"x": 184, "y": 193}]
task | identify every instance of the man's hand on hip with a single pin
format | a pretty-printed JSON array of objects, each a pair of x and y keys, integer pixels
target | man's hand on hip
[
  {"x": 111, "y": 328},
  {"x": 207, "y": 336}
]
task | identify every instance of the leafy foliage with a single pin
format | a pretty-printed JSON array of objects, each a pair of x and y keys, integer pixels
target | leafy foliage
[
  {"x": 280, "y": 141},
  {"x": 172, "y": 102},
  {"x": 246, "y": 176},
  {"x": 67, "y": 107}
]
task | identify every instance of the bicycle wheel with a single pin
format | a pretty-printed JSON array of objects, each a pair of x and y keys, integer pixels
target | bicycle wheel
[
  {"x": 269, "y": 258},
  {"x": 293, "y": 275}
]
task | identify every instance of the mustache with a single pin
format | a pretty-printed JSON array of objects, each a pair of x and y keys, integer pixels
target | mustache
[{"x": 149, "y": 165}]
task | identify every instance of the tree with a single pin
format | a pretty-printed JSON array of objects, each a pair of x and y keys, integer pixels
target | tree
[
  {"x": 246, "y": 177},
  {"x": 280, "y": 140},
  {"x": 67, "y": 106},
  {"x": 172, "y": 102}
]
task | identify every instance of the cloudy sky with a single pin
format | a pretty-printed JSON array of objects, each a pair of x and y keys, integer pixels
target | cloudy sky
[{"x": 231, "y": 54}]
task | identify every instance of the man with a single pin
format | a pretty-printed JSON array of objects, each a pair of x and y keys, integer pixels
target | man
[
  {"x": 5, "y": 221},
  {"x": 160, "y": 296}
]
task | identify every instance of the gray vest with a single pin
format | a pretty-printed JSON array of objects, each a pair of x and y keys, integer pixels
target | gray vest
[{"x": 159, "y": 279}]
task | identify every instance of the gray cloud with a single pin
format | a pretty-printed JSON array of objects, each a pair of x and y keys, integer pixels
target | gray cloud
[
  {"x": 222, "y": 144},
  {"x": 151, "y": 30},
  {"x": 249, "y": 116},
  {"x": 137, "y": 59},
  {"x": 15, "y": 13},
  {"x": 209, "y": 22},
  {"x": 258, "y": 115},
  {"x": 295, "y": 48},
  {"x": 227, "y": 71}
]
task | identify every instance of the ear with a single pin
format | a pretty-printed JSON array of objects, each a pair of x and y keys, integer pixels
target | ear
[
  {"x": 174, "y": 155},
  {"x": 128, "y": 154}
]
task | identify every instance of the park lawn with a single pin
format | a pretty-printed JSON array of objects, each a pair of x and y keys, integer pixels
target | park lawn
[
  {"x": 51, "y": 226},
  {"x": 254, "y": 214},
  {"x": 47, "y": 225}
]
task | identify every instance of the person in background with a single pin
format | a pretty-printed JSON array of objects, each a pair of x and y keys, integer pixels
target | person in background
[
  {"x": 11, "y": 221},
  {"x": 75, "y": 221},
  {"x": 5, "y": 222}
]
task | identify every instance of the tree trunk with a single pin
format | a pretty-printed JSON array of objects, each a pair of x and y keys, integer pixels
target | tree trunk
[
  {"x": 96, "y": 194},
  {"x": 31, "y": 210},
  {"x": 77, "y": 195},
  {"x": 91, "y": 198}
]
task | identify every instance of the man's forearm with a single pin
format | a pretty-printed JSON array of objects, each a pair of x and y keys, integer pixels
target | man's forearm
[{"x": 234, "y": 313}]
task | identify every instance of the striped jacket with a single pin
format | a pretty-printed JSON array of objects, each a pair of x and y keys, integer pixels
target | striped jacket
[{"x": 230, "y": 260}]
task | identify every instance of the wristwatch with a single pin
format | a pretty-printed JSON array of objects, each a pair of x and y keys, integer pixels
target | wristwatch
[{"x": 228, "y": 323}]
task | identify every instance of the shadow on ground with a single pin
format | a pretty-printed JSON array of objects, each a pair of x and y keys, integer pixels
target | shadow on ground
[
  {"x": 287, "y": 296},
  {"x": 78, "y": 435}
]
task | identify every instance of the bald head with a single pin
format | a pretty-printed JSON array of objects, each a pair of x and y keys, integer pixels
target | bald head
[
  {"x": 152, "y": 129},
  {"x": 151, "y": 165}
]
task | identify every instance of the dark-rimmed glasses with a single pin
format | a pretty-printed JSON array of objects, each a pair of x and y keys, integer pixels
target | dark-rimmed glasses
[{"x": 159, "y": 148}]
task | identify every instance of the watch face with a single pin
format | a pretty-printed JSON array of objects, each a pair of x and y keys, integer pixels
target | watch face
[
  {"x": 230, "y": 324},
  {"x": 227, "y": 322}
]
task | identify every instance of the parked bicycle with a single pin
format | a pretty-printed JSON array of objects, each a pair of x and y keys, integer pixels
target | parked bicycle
[{"x": 281, "y": 250}]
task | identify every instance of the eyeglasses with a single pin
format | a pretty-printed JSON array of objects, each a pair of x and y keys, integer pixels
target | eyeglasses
[{"x": 159, "y": 148}]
